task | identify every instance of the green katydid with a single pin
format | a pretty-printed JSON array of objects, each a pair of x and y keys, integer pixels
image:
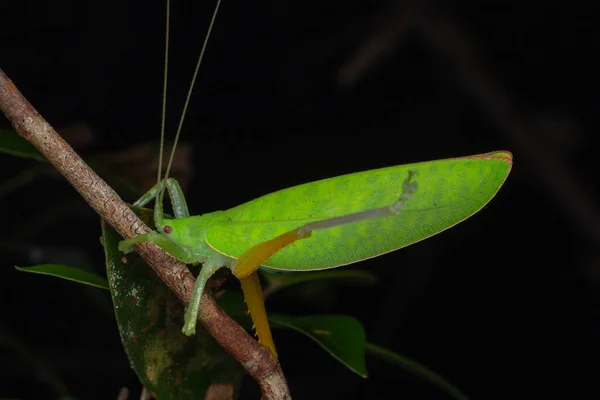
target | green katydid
[{"x": 324, "y": 224}]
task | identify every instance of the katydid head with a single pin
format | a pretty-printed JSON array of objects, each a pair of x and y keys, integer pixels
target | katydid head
[{"x": 190, "y": 231}]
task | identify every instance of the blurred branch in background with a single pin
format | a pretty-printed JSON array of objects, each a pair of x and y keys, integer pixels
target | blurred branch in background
[{"x": 543, "y": 143}]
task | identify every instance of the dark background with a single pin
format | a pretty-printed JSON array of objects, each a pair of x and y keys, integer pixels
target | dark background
[{"x": 504, "y": 305}]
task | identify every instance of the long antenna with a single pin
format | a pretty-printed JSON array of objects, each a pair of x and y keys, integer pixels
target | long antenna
[
  {"x": 164, "y": 98},
  {"x": 189, "y": 94}
]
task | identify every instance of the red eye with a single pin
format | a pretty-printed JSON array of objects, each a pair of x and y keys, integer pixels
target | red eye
[{"x": 167, "y": 229}]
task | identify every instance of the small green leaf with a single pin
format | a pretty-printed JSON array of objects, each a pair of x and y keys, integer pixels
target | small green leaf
[
  {"x": 150, "y": 317},
  {"x": 13, "y": 144},
  {"x": 280, "y": 280},
  {"x": 341, "y": 336},
  {"x": 69, "y": 273},
  {"x": 416, "y": 368}
]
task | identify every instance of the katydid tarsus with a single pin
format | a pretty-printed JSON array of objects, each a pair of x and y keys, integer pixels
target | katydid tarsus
[{"x": 319, "y": 225}]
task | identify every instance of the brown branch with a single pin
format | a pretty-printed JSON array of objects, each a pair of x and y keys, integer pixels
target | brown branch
[
  {"x": 256, "y": 359},
  {"x": 390, "y": 30}
]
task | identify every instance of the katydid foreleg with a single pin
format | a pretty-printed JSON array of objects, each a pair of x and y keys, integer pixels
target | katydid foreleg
[
  {"x": 178, "y": 202},
  {"x": 189, "y": 254}
]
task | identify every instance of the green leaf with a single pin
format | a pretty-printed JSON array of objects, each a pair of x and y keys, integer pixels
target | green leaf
[
  {"x": 341, "y": 336},
  {"x": 13, "y": 144},
  {"x": 150, "y": 317},
  {"x": 278, "y": 281},
  {"x": 416, "y": 368},
  {"x": 69, "y": 273}
]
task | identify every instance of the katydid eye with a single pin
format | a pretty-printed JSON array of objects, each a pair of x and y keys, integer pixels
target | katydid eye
[{"x": 167, "y": 229}]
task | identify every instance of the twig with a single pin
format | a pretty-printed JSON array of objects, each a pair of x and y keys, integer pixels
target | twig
[
  {"x": 391, "y": 29},
  {"x": 123, "y": 394},
  {"x": 145, "y": 395},
  {"x": 256, "y": 359}
]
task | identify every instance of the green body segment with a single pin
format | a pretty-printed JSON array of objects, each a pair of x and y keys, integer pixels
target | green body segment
[{"x": 449, "y": 191}]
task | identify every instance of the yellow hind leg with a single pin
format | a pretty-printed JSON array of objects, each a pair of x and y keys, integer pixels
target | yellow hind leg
[
  {"x": 256, "y": 307},
  {"x": 245, "y": 270}
]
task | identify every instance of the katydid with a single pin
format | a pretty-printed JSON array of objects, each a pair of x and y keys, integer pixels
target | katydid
[{"x": 319, "y": 225}]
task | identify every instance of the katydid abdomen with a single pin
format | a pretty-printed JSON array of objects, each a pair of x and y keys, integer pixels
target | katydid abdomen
[{"x": 449, "y": 191}]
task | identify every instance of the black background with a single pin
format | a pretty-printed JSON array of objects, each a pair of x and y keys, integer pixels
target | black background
[{"x": 504, "y": 305}]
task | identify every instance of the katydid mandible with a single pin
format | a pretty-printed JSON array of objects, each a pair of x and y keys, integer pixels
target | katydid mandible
[{"x": 319, "y": 225}]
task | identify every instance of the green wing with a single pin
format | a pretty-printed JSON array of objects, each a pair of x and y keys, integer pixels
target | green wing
[{"x": 449, "y": 191}]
